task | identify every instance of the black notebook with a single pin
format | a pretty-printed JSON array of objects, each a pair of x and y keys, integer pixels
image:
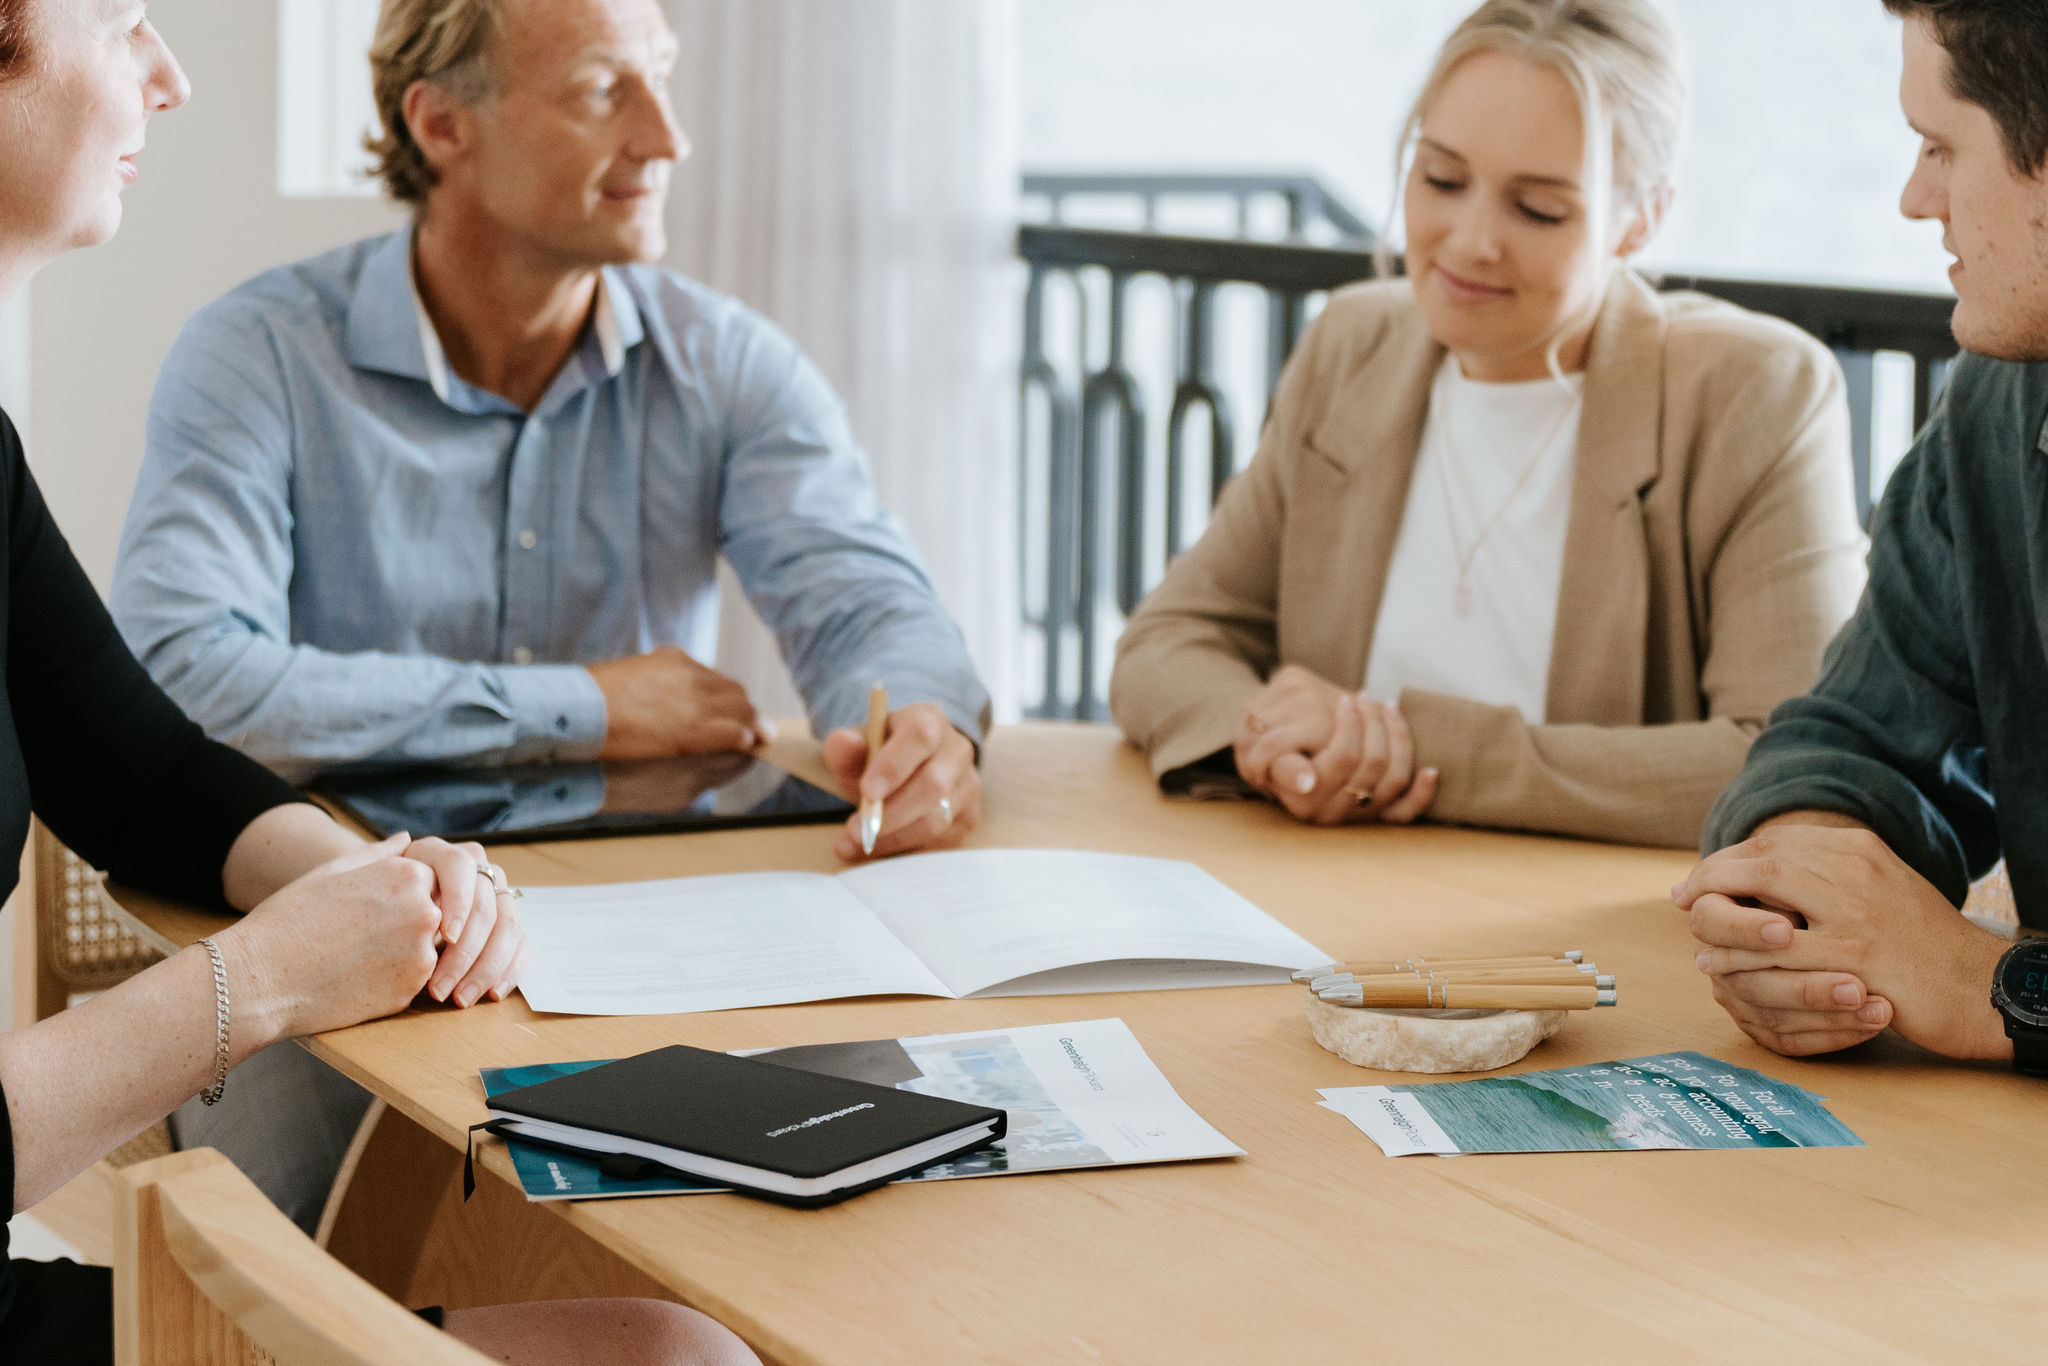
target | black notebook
[{"x": 794, "y": 1136}]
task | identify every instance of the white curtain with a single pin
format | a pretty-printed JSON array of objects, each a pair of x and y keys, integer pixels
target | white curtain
[{"x": 854, "y": 177}]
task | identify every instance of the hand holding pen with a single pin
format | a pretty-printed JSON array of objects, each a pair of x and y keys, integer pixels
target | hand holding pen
[{"x": 916, "y": 780}]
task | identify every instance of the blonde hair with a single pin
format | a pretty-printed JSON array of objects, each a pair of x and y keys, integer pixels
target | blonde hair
[
  {"x": 1621, "y": 60},
  {"x": 452, "y": 43}
]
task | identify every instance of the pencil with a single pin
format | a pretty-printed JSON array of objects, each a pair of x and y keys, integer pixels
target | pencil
[
  {"x": 1470, "y": 996},
  {"x": 878, "y": 731},
  {"x": 1406, "y": 964},
  {"x": 1401, "y": 965}
]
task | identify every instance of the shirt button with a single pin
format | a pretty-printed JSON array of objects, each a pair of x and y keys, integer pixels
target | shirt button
[
  {"x": 528, "y": 539},
  {"x": 522, "y": 655}
]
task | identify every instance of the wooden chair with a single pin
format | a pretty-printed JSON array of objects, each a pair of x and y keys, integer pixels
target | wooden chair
[
  {"x": 66, "y": 939},
  {"x": 209, "y": 1273}
]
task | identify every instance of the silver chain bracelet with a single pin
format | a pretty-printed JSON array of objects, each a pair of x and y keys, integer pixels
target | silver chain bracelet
[{"x": 220, "y": 1041}]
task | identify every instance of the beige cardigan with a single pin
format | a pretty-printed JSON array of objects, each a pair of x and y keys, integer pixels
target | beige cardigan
[{"x": 1712, "y": 553}]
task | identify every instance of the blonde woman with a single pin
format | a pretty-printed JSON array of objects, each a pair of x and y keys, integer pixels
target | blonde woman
[{"x": 1525, "y": 543}]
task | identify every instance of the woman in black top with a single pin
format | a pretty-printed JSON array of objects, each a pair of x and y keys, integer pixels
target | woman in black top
[{"x": 337, "y": 931}]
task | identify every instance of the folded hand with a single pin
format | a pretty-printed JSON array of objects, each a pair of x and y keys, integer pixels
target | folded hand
[
  {"x": 1329, "y": 756},
  {"x": 1819, "y": 936}
]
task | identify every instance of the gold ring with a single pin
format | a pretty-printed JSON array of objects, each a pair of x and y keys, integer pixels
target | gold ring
[{"x": 1255, "y": 723}]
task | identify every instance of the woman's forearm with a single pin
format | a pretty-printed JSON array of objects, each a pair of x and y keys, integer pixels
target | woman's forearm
[
  {"x": 1649, "y": 785},
  {"x": 279, "y": 847},
  {"x": 86, "y": 1080}
]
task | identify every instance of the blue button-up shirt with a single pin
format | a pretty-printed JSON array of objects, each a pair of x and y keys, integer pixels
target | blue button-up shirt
[{"x": 339, "y": 552}]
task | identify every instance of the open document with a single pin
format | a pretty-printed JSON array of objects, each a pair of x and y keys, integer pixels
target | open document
[
  {"x": 1078, "y": 1095},
  {"x": 1001, "y": 922}
]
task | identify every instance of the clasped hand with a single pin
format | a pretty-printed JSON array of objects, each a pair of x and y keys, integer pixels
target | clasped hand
[
  {"x": 1818, "y": 936},
  {"x": 364, "y": 933},
  {"x": 1329, "y": 756}
]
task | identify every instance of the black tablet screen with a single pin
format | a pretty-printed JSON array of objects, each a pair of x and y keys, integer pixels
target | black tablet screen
[{"x": 564, "y": 801}]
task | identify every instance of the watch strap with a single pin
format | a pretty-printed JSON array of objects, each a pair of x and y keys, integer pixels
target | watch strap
[{"x": 2029, "y": 1049}]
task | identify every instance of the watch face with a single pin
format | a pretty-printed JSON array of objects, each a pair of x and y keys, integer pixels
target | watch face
[{"x": 2022, "y": 986}]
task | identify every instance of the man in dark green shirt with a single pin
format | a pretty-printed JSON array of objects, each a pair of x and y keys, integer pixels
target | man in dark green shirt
[{"x": 1848, "y": 841}]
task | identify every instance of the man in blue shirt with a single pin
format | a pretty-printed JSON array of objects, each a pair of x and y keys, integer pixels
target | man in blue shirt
[
  {"x": 1826, "y": 912},
  {"x": 458, "y": 494}
]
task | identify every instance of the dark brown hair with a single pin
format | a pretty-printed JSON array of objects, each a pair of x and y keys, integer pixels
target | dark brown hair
[
  {"x": 1997, "y": 60},
  {"x": 13, "y": 36}
]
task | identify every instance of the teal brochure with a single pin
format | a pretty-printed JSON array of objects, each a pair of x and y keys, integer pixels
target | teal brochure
[
  {"x": 1672, "y": 1100},
  {"x": 1078, "y": 1095}
]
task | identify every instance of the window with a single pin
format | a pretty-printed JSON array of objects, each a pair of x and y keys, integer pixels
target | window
[{"x": 324, "y": 107}]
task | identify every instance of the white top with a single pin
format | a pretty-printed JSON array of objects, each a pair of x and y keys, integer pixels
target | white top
[{"x": 1496, "y": 456}]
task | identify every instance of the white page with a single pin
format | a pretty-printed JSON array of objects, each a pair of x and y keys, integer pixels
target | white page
[
  {"x": 1094, "y": 1080},
  {"x": 709, "y": 943},
  {"x": 982, "y": 918},
  {"x": 1396, "y": 1120}
]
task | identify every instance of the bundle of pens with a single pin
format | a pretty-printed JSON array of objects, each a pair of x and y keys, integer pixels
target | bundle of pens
[{"x": 1554, "y": 981}]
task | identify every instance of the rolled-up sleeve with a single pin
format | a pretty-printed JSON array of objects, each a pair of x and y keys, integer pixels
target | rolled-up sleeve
[{"x": 830, "y": 572}]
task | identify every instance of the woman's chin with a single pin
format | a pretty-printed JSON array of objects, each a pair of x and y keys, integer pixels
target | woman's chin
[{"x": 98, "y": 226}]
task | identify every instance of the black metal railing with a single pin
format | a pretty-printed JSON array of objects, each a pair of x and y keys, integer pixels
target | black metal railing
[
  {"x": 1121, "y": 323},
  {"x": 1310, "y": 208}
]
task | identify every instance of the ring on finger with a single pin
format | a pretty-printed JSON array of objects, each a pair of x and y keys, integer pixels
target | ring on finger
[
  {"x": 493, "y": 874},
  {"x": 945, "y": 810},
  {"x": 1359, "y": 795},
  {"x": 1255, "y": 723}
]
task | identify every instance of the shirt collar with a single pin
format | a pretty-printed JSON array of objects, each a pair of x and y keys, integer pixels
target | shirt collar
[{"x": 389, "y": 329}]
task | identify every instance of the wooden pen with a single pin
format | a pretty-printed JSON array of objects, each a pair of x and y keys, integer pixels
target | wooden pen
[
  {"x": 878, "y": 731},
  {"x": 1533, "y": 977},
  {"x": 1469, "y": 996},
  {"x": 1405, "y": 964}
]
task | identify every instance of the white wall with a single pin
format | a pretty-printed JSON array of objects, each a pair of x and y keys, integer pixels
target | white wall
[{"x": 1793, "y": 169}]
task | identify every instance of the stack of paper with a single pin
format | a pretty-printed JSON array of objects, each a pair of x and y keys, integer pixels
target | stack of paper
[{"x": 1673, "y": 1100}]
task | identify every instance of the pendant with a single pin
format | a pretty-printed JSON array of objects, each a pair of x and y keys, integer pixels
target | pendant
[{"x": 1461, "y": 599}]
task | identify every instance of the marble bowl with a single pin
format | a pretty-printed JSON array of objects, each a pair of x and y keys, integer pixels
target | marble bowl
[{"x": 1430, "y": 1040}]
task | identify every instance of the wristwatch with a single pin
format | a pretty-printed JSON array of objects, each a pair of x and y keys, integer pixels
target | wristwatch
[{"x": 2019, "y": 992}]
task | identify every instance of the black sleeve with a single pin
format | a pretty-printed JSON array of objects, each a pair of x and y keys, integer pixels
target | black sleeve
[
  {"x": 51, "y": 1313},
  {"x": 1892, "y": 734},
  {"x": 114, "y": 768}
]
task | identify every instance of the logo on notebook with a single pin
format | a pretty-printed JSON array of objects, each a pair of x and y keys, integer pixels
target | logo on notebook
[
  {"x": 819, "y": 1119},
  {"x": 561, "y": 1181}
]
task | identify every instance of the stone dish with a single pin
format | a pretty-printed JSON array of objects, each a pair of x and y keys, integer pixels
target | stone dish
[{"x": 1430, "y": 1040}]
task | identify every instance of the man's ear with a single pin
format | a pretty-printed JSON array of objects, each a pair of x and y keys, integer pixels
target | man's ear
[
  {"x": 441, "y": 126},
  {"x": 1648, "y": 219}
]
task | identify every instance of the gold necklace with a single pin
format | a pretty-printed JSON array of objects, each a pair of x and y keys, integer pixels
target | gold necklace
[{"x": 1461, "y": 591}]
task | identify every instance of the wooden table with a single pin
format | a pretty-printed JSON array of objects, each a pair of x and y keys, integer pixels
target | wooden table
[{"x": 1931, "y": 1242}]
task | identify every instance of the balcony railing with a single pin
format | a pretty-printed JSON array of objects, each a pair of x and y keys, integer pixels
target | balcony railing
[{"x": 1122, "y": 325}]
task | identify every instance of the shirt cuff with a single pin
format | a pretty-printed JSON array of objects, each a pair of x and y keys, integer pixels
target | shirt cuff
[{"x": 558, "y": 711}]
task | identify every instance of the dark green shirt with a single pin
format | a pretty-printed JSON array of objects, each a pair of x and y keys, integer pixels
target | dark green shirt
[{"x": 1930, "y": 721}]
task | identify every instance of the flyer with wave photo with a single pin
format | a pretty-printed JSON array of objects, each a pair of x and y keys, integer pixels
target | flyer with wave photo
[{"x": 1669, "y": 1101}]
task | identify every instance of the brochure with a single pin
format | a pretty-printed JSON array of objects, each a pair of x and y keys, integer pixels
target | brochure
[
  {"x": 1672, "y": 1100},
  {"x": 1078, "y": 1095}
]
